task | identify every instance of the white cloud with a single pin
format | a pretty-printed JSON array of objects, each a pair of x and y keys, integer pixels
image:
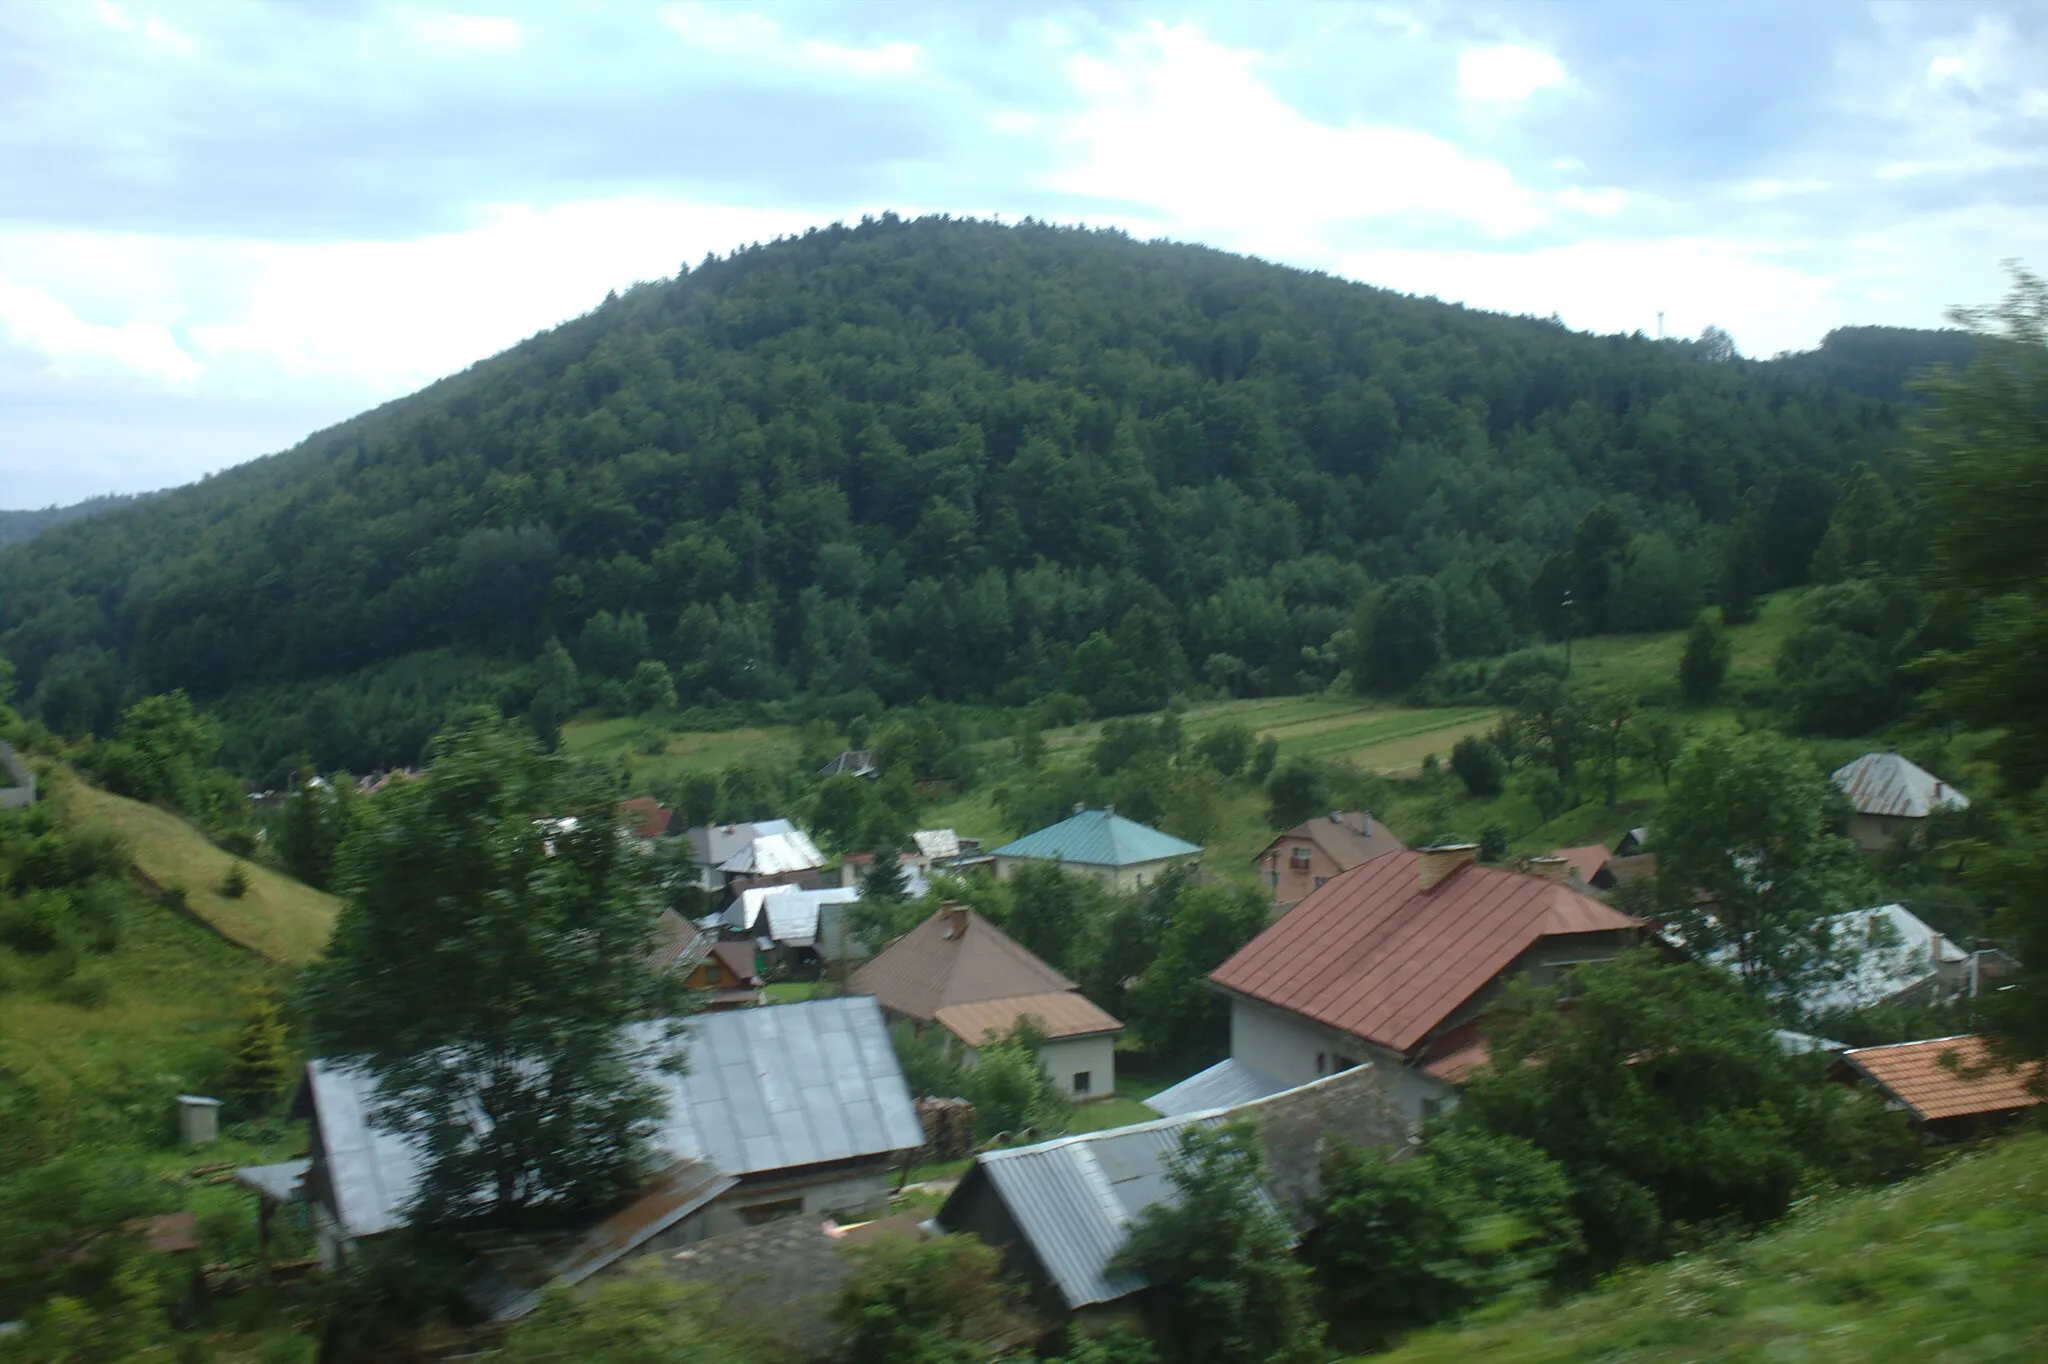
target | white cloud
[
  {"x": 758, "y": 38},
  {"x": 1506, "y": 74},
  {"x": 154, "y": 30},
  {"x": 1183, "y": 127},
  {"x": 474, "y": 32},
  {"x": 42, "y": 323}
]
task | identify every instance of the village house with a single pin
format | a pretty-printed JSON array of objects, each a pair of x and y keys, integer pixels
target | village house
[
  {"x": 1393, "y": 963},
  {"x": 1593, "y": 866},
  {"x": 805, "y": 931},
  {"x": 725, "y": 971},
  {"x": 1893, "y": 956},
  {"x": 1951, "y": 1087},
  {"x": 1121, "y": 854},
  {"x": 645, "y": 819},
  {"x": 1891, "y": 795},
  {"x": 1309, "y": 854},
  {"x": 797, "y": 1110},
  {"x": 852, "y": 762},
  {"x": 958, "y": 971},
  {"x": 732, "y": 857},
  {"x": 1059, "y": 1211}
]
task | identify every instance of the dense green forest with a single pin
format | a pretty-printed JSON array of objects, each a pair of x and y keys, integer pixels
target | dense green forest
[
  {"x": 955, "y": 459},
  {"x": 16, "y": 526}
]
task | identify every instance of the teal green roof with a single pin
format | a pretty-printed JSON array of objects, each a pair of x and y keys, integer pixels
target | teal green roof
[{"x": 1098, "y": 838}]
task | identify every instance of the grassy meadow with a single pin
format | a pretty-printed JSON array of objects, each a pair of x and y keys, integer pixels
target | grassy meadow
[
  {"x": 1948, "y": 1267},
  {"x": 281, "y": 919}
]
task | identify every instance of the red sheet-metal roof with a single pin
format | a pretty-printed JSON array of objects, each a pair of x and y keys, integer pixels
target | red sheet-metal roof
[{"x": 1374, "y": 955}]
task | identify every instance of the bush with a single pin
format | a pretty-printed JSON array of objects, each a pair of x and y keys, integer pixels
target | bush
[
  {"x": 1704, "y": 665},
  {"x": 1518, "y": 669},
  {"x": 235, "y": 884},
  {"x": 88, "y": 988},
  {"x": 1479, "y": 765}
]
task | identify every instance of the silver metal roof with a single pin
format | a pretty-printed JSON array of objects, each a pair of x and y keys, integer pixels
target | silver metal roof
[
  {"x": 283, "y": 1182},
  {"x": 770, "y": 854},
  {"x": 765, "y": 1089},
  {"x": 792, "y": 913},
  {"x": 1887, "y": 784},
  {"x": 1220, "y": 1086},
  {"x": 1074, "y": 1199}
]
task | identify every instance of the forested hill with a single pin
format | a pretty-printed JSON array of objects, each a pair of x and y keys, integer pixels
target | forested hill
[
  {"x": 937, "y": 457},
  {"x": 16, "y": 526}
]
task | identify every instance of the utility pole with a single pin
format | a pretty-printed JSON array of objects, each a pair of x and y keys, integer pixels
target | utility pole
[{"x": 1567, "y": 605}]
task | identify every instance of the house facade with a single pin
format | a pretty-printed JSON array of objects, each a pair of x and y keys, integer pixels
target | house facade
[
  {"x": 959, "y": 972},
  {"x": 1117, "y": 853},
  {"x": 1307, "y": 856},
  {"x": 768, "y": 852},
  {"x": 1891, "y": 795},
  {"x": 1392, "y": 964}
]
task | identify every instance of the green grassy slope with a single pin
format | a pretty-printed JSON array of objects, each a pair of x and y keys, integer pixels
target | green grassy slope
[
  {"x": 1952, "y": 1266},
  {"x": 282, "y": 919}
]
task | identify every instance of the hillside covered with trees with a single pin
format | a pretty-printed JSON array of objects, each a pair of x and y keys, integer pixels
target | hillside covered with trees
[{"x": 955, "y": 459}]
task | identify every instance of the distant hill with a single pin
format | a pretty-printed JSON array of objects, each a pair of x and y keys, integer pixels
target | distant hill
[
  {"x": 16, "y": 526},
  {"x": 1879, "y": 362},
  {"x": 920, "y": 458}
]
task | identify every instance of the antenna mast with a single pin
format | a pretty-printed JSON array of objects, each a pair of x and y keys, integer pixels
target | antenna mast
[{"x": 1660, "y": 324}]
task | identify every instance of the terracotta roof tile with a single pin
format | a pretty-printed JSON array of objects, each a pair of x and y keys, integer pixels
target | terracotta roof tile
[
  {"x": 1922, "y": 1076},
  {"x": 1066, "y": 1013},
  {"x": 933, "y": 966},
  {"x": 1374, "y": 955},
  {"x": 645, "y": 817}
]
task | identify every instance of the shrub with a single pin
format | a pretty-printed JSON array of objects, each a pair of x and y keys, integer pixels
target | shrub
[
  {"x": 235, "y": 884},
  {"x": 86, "y": 989},
  {"x": 1479, "y": 765}
]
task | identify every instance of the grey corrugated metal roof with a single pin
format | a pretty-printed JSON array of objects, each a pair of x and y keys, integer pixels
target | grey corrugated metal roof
[
  {"x": 1220, "y": 1086},
  {"x": 792, "y": 913},
  {"x": 771, "y": 854},
  {"x": 1074, "y": 1199},
  {"x": 765, "y": 1089},
  {"x": 1887, "y": 784},
  {"x": 284, "y": 1182}
]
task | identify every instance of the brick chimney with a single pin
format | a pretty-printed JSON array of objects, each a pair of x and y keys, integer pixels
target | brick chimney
[
  {"x": 956, "y": 920},
  {"x": 1436, "y": 865},
  {"x": 1550, "y": 868}
]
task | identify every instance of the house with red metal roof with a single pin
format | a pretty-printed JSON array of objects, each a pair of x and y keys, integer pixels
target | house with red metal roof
[{"x": 1392, "y": 963}]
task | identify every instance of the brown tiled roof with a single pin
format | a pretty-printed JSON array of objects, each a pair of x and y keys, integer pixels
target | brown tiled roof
[
  {"x": 1922, "y": 1076},
  {"x": 645, "y": 817},
  {"x": 926, "y": 970},
  {"x": 1586, "y": 861},
  {"x": 673, "y": 938},
  {"x": 1066, "y": 1013},
  {"x": 738, "y": 960},
  {"x": 1351, "y": 838},
  {"x": 1374, "y": 955}
]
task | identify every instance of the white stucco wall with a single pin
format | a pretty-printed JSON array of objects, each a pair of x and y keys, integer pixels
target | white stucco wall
[
  {"x": 1134, "y": 877},
  {"x": 1285, "y": 1048},
  {"x": 1095, "y": 1054},
  {"x": 862, "y": 1191}
]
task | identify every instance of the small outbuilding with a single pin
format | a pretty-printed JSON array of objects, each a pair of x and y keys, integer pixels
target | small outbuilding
[
  {"x": 1953, "y": 1087},
  {"x": 1890, "y": 794}
]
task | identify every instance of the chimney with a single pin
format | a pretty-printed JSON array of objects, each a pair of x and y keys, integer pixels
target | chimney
[
  {"x": 1079, "y": 807},
  {"x": 1550, "y": 868},
  {"x": 1109, "y": 810},
  {"x": 1934, "y": 950},
  {"x": 956, "y": 920},
  {"x": 1436, "y": 865}
]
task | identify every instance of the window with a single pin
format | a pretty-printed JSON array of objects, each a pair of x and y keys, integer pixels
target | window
[
  {"x": 711, "y": 975},
  {"x": 1298, "y": 859},
  {"x": 1273, "y": 879},
  {"x": 1322, "y": 881},
  {"x": 1322, "y": 1064},
  {"x": 758, "y": 1213},
  {"x": 1082, "y": 1079},
  {"x": 1431, "y": 1107}
]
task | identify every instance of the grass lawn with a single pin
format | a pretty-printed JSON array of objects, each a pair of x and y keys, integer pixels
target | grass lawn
[
  {"x": 791, "y": 991},
  {"x": 624, "y": 738},
  {"x": 278, "y": 917},
  {"x": 1103, "y": 1114},
  {"x": 1948, "y": 1266}
]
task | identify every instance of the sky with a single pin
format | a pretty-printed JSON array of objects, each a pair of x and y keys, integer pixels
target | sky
[{"x": 225, "y": 226}]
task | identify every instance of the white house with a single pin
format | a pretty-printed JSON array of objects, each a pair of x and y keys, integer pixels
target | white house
[
  {"x": 1393, "y": 963},
  {"x": 1889, "y": 794},
  {"x": 1119, "y": 853}
]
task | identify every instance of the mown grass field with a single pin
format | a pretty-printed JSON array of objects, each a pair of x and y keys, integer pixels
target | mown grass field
[
  {"x": 1952, "y": 1266},
  {"x": 628, "y": 738},
  {"x": 277, "y": 917}
]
